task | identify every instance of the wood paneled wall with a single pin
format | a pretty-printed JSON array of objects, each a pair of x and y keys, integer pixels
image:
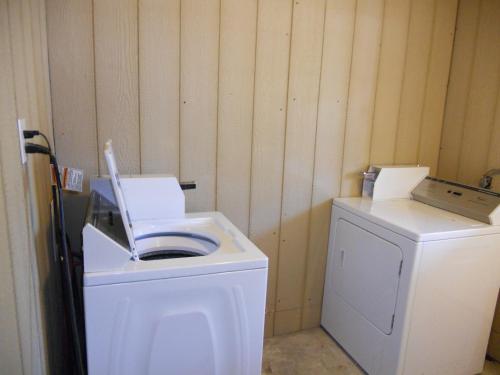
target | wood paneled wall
[
  {"x": 28, "y": 295},
  {"x": 470, "y": 142},
  {"x": 471, "y": 129},
  {"x": 272, "y": 106}
]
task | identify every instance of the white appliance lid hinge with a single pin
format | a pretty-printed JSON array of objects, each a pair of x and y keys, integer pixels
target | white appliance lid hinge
[
  {"x": 400, "y": 268},
  {"x": 392, "y": 321}
]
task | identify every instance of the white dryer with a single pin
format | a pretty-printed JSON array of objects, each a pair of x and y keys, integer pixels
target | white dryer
[
  {"x": 411, "y": 288},
  {"x": 167, "y": 292}
]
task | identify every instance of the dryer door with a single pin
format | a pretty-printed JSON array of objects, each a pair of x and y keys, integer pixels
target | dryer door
[{"x": 366, "y": 271}]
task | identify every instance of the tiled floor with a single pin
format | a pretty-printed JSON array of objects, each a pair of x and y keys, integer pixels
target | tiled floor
[{"x": 314, "y": 352}]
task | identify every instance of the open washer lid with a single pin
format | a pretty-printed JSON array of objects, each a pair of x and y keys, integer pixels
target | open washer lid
[
  {"x": 159, "y": 244},
  {"x": 120, "y": 197}
]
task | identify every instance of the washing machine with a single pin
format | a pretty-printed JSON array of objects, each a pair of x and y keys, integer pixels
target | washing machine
[
  {"x": 411, "y": 283},
  {"x": 167, "y": 292}
]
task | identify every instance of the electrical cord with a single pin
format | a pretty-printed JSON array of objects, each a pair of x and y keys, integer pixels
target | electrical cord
[
  {"x": 28, "y": 134},
  {"x": 33, "y": 148}
]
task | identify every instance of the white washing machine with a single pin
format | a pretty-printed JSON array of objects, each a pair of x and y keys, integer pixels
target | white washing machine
[
  {"x": 167, "y": 292},
  {"x": 411, "y": 288}
]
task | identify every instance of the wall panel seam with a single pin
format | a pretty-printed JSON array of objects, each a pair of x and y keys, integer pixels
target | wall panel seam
[
  {"x": 426, "y": 86},
  {"x": 403, "y": 81},
  {"x": 348, "y": 99},
  {"x": 45, "y": 48},
  {"x": 308, "y": 236},
  {"x": 51, "y": 122},
  {"x": 253, "y": 117},
  {"x": 179, "y": 84},
  {"x": 138, "y": 47},
  {"x": 375, "y": 89},
  {"x": 283, "y": 159},
  {"x": 99, "y": 172},
  {"x": 450, "y": 68},
  {"x": 493, "y": 117},
  {"x": 469, "y": 82},
  {"x": 216, "y": 177}
]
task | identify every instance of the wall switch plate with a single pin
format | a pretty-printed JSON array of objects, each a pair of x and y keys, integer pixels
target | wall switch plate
[{"x": 21, "y": 125}]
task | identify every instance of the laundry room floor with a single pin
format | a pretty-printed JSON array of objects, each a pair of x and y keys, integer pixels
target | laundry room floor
[{"x": 314, "y": 352}]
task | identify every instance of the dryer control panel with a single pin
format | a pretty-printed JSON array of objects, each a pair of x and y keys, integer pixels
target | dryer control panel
[{"x": 469, "y": 201}]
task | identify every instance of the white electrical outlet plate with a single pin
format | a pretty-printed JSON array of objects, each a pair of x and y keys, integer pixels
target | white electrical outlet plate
[{"x": 21, "y": 125}]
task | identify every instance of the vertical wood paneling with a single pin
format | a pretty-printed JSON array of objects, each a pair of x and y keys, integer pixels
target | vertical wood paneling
[
  {"x": 10, "y": 353},
  {"x": 390, "y": 78},
  {"x": 198, "y": 115},
  {"x": 24, "y": 28},
  {"x": 458, "y": 88},
  {"x": 303, "y": 91},
  {"x": 479, "y": 114},
  {"x": 44, "y": 74},
  {"x": 10, "y": 340},
  {"x": 39, "y": 184},
  {"x": 39, "y": 42},
  {"x": 367, "y": 33},
  {"x": 71, "y": 63},
  {"x": 494, "y": 146},
  {"x": 335, "y": 69},
  {"x": 24, "y": 189},
  {"x": 116, "y": 70},
  {"x": 436, "y": 84},
  {"x": 159, "y": 49},
  {"x": 414, "y": 81},
  {"x": 271, "y": 118},
  {"x": 235, "y": 109},
  {"x": 23, "y": 105},
  {"x": 270, "y": 105}
]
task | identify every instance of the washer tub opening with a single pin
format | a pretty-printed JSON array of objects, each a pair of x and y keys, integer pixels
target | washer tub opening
[{"x": 169, "y": 245}]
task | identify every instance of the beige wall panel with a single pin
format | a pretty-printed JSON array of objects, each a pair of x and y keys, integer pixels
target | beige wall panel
[
  {"x": 311, "y": 315},
  {"x": 71, "y": 63},
  {"x": 34, "y": 17},
  {"x": 369, "y": 17},
  {"x": 235, "y": 109},
  {"x": 436, "y": 85},
  {"x": 198, "y": 115},
  {"x": 52, "y": 307},
  {"x": 38, "y": 34},
  {"x": 159, "y": 49},
  {"x": 494, "y": 147},
  {"x": 270, "y": 102},
  {"x": 10, "y": 345},
  {"x": 15, "y": 195},
  {"x": 287, "y": 321},
  {"x": 458, "y": 88},
  {"x": 23, "y": 107},
  {"x": 303, "y": 92},
  {"x": 269, "y": 324},
  {"x": 481, "y": 103},
  {"x": 23, "y": 187},
  {"x": 22, "y": 25},
  {"x": 116, "y": 72},
  {"x": 335, "y": 69},
  {"x": 10, "y": 354},
  {"x": 210, "y": 90},
  {"x": 390, "y": 79},
  {"x": 43, "y": 80},
  {"x": 414, "y": 81}
]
